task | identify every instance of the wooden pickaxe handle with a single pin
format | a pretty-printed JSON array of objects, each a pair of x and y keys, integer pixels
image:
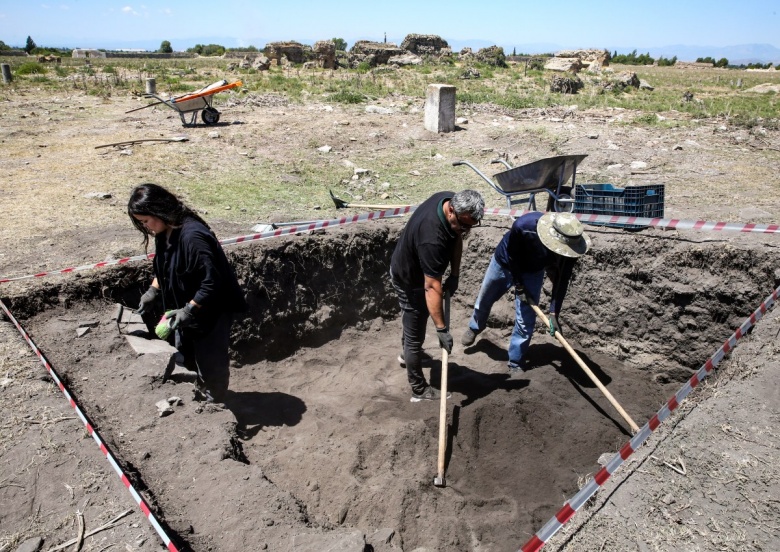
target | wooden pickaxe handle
[
  {"x": 439, "y": 481},
  {"x": 591, "y": 375}
]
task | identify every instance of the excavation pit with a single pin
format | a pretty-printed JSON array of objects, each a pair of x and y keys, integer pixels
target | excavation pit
[{"x": 319, "y": 440}]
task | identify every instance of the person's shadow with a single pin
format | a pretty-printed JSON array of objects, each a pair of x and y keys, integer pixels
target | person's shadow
[
  {"x": 474, "y": 384},
  {"x": 255, "y": 411}
]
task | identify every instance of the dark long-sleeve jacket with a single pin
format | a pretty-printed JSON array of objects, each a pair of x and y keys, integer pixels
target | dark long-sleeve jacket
[
  {"x": 521, "y": 251},
  {"x": 191, "y": 266}
]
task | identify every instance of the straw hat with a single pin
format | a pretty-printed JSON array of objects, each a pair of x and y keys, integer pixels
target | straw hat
[{"x": 563, "y": 234}]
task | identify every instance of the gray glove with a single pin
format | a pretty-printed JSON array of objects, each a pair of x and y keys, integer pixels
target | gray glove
[
  {"x": 181, "y": 318},
  {"x": 450, "y": 284},
  {"x": 148, "y": 301},
  {"x": 555, "y": 326},
  {"x": 445, "y": 339}
]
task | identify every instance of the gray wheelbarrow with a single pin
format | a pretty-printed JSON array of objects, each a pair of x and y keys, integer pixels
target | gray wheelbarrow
[{"x": 519, "y": 185}]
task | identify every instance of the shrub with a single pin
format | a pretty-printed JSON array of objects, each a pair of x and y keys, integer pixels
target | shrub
[{"x": 31, "y": 68}]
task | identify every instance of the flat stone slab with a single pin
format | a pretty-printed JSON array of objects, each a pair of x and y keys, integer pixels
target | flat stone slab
[
  {"x": 149, "y": 346},
  {"x": 353, "y": 541}
]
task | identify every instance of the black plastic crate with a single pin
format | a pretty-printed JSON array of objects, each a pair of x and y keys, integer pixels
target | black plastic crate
[{"x": 634, "y": 201}]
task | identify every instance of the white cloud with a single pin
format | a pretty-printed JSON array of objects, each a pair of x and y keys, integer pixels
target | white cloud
[
  {"x": 129, "y": 10},
  {"x": 64, "y": 7}
]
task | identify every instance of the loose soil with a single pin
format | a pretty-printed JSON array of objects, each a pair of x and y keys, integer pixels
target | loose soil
[{"x": 318, "y": 446}]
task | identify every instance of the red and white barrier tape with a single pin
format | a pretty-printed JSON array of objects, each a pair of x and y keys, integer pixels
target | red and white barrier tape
[
  {"x": 376, "y": 215},
  {"x": 94, "y": 433},
  {"x": 577, "y": 501},
  {"x": 310, "y": 227}
]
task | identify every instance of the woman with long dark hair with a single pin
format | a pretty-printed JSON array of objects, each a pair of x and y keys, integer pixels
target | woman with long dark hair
[{"x": 193, "y": 283}]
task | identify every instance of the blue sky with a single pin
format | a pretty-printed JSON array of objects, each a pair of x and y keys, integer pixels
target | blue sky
[{"x": 594, "y": 24}]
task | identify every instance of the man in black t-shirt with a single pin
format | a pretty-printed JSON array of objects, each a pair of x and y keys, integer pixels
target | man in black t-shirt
[{"x": 431, "y": 241}]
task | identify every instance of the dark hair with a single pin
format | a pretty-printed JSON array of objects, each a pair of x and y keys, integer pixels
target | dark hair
[{"x": 155, "y": 201}]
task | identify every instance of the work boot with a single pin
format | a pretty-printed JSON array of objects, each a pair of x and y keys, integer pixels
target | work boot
[
  {"x": 469, "y": 336},
  {"x": 517, "y": 369}
]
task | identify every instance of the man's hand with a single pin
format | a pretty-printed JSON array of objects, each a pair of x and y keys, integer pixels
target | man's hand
[
  {"x": 520, "y": 293},
  {"x": 148, "y": 300},
  {"x": 555, "y": 326},
  {"x": 450, "y": 284},
  {"x": 181, "y": 318},
  {"x": 445, "y": 339}
]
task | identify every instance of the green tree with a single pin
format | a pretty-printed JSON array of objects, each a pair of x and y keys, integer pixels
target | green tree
[
  {"x": 4, "y": 46},
  {"x": 165, "y": 47},
  {"x": 722, "y": 62},
  {"x": 30, "y": 46},
  {"x": 341, "y": 44}
]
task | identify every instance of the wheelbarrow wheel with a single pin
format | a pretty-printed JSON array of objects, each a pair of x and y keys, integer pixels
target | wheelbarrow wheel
[
  {"x": 558, "y": 206},
  {"x": 210, "y": 116}
]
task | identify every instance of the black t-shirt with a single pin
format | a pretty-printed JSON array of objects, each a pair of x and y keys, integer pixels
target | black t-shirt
[{"x": 425, "y": 245}]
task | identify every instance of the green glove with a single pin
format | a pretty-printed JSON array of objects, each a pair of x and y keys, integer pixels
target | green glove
[{"x": 554, "y": 325}]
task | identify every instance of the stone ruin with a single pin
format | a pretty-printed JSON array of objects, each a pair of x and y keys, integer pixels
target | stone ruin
[
  {"x": 575, "y": 60},
  {"x": 373, "y": 53},
  {"x": 325, "y": 54},
  {"x": 426, "y": 45},
  {"x": 292, "y": 52}
]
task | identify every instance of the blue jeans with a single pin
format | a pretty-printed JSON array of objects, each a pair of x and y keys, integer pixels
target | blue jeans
[{"x": 495, "y": 284}]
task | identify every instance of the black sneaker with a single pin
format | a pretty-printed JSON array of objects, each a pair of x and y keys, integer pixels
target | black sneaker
[
  {"x": 469, "y": 336},
  {"x": 430, "y": 394}
]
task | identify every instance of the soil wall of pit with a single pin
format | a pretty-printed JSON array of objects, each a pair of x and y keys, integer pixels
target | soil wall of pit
[{"x": 640, "y": 297}]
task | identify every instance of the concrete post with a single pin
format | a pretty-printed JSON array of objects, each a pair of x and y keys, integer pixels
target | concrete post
[
  {"x": 151, "y": 86},
  {"x": 440, "y": 108},
  {"x": 6, "y": 73}
]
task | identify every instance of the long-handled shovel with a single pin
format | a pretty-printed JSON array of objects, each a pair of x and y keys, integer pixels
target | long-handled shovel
[
  {"x": 591, "y": 375},
  {"x": 439, "y": 479},
  {"x": 341, "y": 204}
]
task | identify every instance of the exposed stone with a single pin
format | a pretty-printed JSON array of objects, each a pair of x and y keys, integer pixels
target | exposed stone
[
  {"x": 492, "y": 55},
  {"x": 325, "y": 54},
  {"x": 592, "y": 59},
  {"x": 353, "y": 541},
  {"x": 565, "y": 85},
  {"x": 572, "y": 65},
  {"x": 405, "y": 59},
  {"x": 426, "y": 45},
  {"x": 470, "y": 73},
  {"x": 294, "y": 52},
  {"x": 30, "y": 545},
  {"x": 374, "y": 53},
  {"x": 621, "y": 81},
  {"x": 261, "y": 63}
]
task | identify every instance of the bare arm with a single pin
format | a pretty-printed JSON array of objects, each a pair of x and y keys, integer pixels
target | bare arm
[{"x": 433, "y": 300}]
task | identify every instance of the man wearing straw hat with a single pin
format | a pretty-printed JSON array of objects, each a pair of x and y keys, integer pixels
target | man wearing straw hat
[{"x": 536, "y": 243}]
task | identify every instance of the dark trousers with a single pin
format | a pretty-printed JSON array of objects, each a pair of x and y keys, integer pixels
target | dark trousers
[
  {"x": 414, "y": 318},
  {"x": 207, "y": 354}
]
